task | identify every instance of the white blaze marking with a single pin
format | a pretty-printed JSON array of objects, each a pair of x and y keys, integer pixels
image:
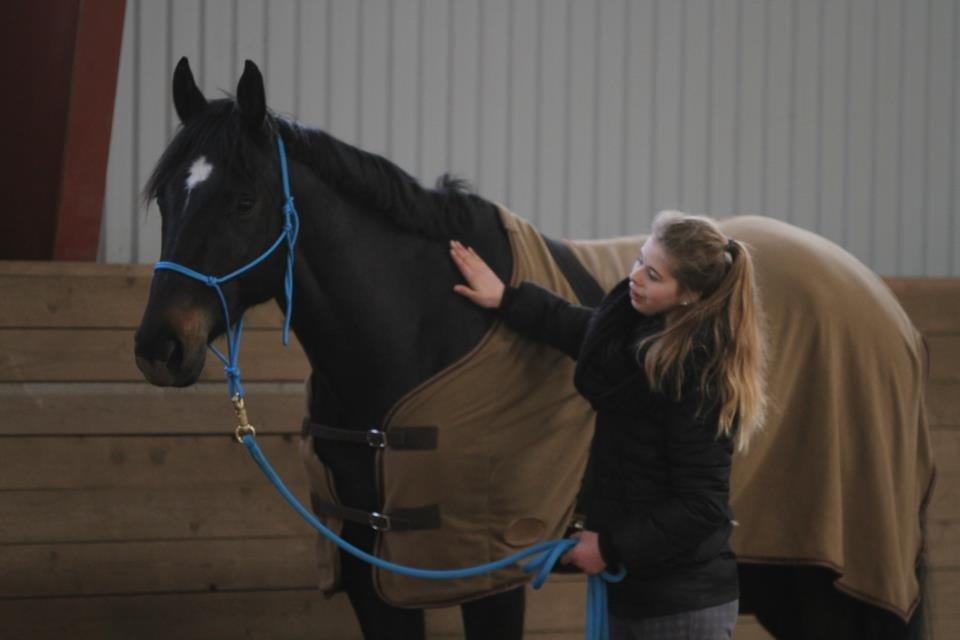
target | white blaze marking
[{"x": 199, "y": 172}]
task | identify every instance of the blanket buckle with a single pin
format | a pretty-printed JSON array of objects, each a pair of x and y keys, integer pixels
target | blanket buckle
[
  {"x": 379, "y": 521},
  {"x": 377, "y": 439}
]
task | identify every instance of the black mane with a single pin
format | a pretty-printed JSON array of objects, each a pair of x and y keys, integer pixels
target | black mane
[
  {"x": 367, "y": 179},
  {"x": 376, "y": 183}
]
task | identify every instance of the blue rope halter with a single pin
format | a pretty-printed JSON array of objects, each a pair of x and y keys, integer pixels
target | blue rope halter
[
  {"x": 291, "y": 227},
  {"x": 547, "y": 553}
]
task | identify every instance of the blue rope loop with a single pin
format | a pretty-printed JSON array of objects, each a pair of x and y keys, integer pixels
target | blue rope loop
[
  {"x": 546, "y": 555},
  {"x": 289, "y": 233}
]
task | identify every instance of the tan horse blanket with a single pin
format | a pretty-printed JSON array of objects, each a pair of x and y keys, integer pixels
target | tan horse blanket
[
  {"x": 836, "y": 479},
  {"x": 839, "y": 476}
]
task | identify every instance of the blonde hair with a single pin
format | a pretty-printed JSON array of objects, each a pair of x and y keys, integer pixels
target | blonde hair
[{"x": 725, "y": 323}]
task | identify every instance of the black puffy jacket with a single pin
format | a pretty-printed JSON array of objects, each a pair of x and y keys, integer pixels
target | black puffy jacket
[{"x": 658, "y": 482}]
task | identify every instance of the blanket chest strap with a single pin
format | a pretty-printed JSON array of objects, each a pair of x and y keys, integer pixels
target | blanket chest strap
[
  {"x": 418, "y": 518},
  {"x": 411, "y": 438}
]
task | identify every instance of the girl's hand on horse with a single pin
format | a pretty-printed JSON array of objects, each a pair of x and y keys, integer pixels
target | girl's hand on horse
[
  {"x": 586, "y": 554},
  {"x": 483, "y": 286}
]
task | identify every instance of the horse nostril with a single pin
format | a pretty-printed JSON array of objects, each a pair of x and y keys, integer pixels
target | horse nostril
[
  {"x": 167, "y": 350},
  {"x": 173, "y": 354}
]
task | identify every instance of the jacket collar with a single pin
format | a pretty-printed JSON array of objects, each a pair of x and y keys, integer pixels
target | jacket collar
[{"x": 607, "y": 369}]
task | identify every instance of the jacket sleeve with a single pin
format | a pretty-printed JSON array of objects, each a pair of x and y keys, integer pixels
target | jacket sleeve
[
  {"x": 541, "y": 315},
  {"x": 695, "y": 510}
]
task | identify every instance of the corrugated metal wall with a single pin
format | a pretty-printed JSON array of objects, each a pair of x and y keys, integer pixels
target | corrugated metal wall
[{"x": 588, "y": 116}]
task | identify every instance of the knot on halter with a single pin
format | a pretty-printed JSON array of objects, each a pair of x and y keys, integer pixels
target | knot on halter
[
  {"x": 234, "y": 387},
  {"x": 211, "y": 281}
]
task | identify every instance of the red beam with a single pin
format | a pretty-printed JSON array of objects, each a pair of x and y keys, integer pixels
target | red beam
[
  {"x": 60, "y": 60},
  {"x": 95, "y": 62}
]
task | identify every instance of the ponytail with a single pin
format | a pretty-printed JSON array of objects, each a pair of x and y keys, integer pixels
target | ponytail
[{"x": 726, "y": 321}]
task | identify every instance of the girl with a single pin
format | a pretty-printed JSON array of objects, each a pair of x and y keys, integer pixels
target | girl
[{"x": 672, "y": 362}]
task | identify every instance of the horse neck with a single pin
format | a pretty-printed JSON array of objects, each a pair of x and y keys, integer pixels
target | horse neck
[{"x": 374, "y": 307}]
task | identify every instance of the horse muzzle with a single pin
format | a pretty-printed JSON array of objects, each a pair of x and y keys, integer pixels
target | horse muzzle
[{"x": 172, "y": 354}]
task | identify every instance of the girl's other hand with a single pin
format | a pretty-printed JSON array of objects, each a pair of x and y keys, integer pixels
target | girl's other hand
[
  {"x": 483, "y": 286},
  {"x": 586, "y": 554}
]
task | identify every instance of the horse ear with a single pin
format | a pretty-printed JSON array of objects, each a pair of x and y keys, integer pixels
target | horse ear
[
  {"x": 186, "y": 96},
  {"x": 251, "y": 98}
]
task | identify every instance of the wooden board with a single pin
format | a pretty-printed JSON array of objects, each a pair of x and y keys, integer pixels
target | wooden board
[
  {"x": 156, "y": 567},
  {"x": 933, "y": 304},
  {"x": 111, "y": 297},
  {"x": 65, "y": 294},
  {"x": 943, "y": 542},
  {"x": 137, "y": 408},
  {"x": 945, "y": 504},
  {"x": 88, "y": 463},
  {"x": 944, "y": 357},
  {"x": 943, "y": 519},
  {"x": 945, "y": 587},
  {"x": 556, "y": 611},
  {"x": 114, "y": 514},
  {"x": 943, "y": 403},
  {"x": 106, "y": 355},
  {"x": 302, "y": 615},
  {"x": 278, "y": 615}
]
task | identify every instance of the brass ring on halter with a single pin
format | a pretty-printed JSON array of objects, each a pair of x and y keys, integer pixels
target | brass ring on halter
[{"x": 244, "y": 430}]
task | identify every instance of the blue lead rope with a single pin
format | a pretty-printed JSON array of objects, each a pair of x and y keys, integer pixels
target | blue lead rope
[{"x": 546, "y": 553}]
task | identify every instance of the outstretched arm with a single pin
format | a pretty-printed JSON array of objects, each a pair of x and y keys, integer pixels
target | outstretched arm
[{"x": 530, "y": 310}]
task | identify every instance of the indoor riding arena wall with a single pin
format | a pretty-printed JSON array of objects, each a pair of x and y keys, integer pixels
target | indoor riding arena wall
[{"x": 127, "y": 511}]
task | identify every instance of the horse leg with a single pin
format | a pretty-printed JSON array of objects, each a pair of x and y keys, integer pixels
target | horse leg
[
  {"x": 801, "y": 603},
  {"x": 378, "y": 620},
  {"x": 495, "y": 617},
  {"x": 768, "y": 593}
]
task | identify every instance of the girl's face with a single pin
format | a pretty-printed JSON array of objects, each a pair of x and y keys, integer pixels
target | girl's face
[{"x": 653, "y": 289}]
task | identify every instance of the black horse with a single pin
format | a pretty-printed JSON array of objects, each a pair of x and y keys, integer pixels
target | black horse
[{"x": 374, "y": 312}]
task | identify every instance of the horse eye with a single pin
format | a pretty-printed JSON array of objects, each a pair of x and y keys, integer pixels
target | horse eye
[{"x": 245, "y": 203}]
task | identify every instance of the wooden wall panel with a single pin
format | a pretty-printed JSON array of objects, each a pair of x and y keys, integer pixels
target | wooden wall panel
[
  {"x": 106, "y": 355},
  {"x": 136, "y": 408},
  {"x": 93, "y": 462},
  {"x": 278, "y": 615},
  {"x": 129, "y": 511},
  {"x": 121, "y": 513},
  {"x": 58, "y": 570}
]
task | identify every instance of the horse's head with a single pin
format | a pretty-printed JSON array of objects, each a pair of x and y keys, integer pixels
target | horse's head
[{"x": 218, "y": 189}]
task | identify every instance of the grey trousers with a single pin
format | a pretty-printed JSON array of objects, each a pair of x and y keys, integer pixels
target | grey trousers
[{"x": 712, "y": 623}]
